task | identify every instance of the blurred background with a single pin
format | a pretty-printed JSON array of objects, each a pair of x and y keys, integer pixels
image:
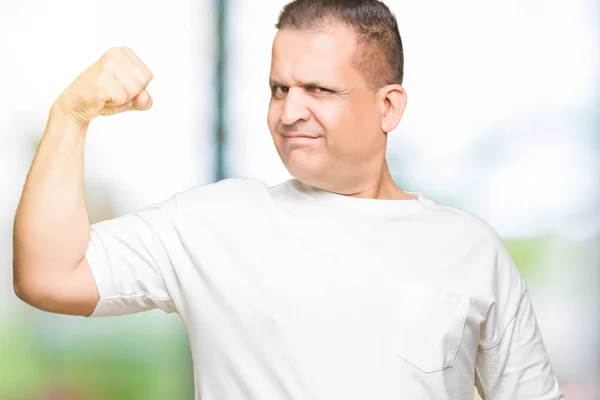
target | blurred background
[{"x": 503, "y": 120}]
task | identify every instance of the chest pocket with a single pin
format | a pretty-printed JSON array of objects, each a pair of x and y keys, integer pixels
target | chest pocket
[{"x": 429, "y": 327}]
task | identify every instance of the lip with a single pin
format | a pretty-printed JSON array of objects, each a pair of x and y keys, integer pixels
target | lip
[
  {"x": 301, "y": 140},
  {"x": 300, "y": 137}
]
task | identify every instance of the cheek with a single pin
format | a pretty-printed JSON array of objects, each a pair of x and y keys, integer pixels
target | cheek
[
  {"x": 272, "y": 116},
  {"x": 347, "y": 130},
  {"x": 334, "y": 120}
]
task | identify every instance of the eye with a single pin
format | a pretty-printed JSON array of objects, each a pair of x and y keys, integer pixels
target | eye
[
  {"x": 320, "y": 90},
  {"x": 279, "y": 91}
]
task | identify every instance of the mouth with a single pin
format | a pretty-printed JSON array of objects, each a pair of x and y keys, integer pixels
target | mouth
[{"x": 301, "y": 139}]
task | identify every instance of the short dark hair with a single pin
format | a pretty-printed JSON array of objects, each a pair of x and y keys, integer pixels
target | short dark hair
[{"x": 380, "y": 57}]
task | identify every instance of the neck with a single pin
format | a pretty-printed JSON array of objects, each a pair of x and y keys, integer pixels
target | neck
[{"x": 382, "y": 187}]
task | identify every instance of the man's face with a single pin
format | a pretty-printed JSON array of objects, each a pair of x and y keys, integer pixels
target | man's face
[{"x": 325, "y": 122}]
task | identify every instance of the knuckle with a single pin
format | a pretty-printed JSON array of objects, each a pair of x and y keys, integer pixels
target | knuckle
[
  {"x": 109, "y": 63},
  {"x": 148, "y": 75},
  {"x": 111, "y": 52},
  {"x": 118, "y": 96},
  {"x": 133, "y": 89},
  {"x": 103, "y": 79}
]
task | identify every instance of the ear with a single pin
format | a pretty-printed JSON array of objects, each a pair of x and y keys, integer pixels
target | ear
[{"x": 393, "y": 102}]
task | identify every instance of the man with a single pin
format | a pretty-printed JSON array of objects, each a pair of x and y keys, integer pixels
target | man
[{"x": 334, "y": 285}]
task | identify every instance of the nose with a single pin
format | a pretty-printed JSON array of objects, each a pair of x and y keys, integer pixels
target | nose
[{"x": 294, "y": 107}]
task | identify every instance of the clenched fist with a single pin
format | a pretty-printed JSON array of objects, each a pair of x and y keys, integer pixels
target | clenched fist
[{"x": 113, "y": 84}]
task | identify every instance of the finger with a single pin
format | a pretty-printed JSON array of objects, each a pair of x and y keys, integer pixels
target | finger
[
  {"x": 143, "y": 101},
  {"x": 140, "y": 72},
  {"x": 113, "y": 93},
  {"x": 107, "y": 111},
  {"x": 125, "y": 77},
  {"x": 146, "y": 73}
]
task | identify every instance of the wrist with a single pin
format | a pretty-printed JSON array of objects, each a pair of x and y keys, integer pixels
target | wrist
[{"x": 63, "y": 122}]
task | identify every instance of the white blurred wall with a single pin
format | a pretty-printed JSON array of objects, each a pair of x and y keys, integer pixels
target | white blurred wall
[
  {"x": 501, "y": 98},
  {"x": 133, "y": 159},
  {"x": 501, "y": 121}
]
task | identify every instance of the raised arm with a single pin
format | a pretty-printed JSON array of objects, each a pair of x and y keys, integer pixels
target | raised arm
[{"x": 51, "y": 227}]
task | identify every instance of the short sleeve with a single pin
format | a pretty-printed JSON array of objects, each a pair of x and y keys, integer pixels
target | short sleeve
[
  {"x": 131, "y": 260},
  {"x": 511, "y": 361},
  {"x": 517, "y": 366},
  {"x": 506, "y": 287}
]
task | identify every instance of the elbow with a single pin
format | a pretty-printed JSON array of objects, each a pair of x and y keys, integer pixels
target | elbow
[
  {"x": 17, "y": 283},
  {"x": 23, "y": 292},
  {"x": 27, "y": 291},
  {"x": 17, "y": 289},
  {"x": 20, "y": 285},
  {"x": 34, "y": 294}
]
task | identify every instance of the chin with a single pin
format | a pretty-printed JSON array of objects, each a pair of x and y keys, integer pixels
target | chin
[
  {"x": 305, "y": 170},
  {"x": 324, "y": 178}
]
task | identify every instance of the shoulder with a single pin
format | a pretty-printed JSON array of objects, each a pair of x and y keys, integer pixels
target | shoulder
[
  {"x": 491, "y": 266},
  {"x": 463, "y": 225},
  {"x": 232, "y": 199},
  {"x": 479, "y": 247},
  {"x": 226, "y": 192}
]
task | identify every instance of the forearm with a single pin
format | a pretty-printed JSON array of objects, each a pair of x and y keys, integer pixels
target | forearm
[{"x": 51, "y": 229}]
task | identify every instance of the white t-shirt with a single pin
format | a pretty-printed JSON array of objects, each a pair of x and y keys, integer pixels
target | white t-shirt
[{"x": 290, "y": 292}]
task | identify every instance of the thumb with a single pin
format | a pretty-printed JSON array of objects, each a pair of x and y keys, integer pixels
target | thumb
[
  {"x": 112, "y": 110},
  {"x": 142, "y": 101}
]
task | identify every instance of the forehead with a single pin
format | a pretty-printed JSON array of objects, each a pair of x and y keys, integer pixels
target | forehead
[{"x": 314, "y": 54}]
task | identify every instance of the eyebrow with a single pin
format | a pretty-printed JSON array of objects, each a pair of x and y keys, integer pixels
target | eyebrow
[{"x": 307, "y": 84}]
